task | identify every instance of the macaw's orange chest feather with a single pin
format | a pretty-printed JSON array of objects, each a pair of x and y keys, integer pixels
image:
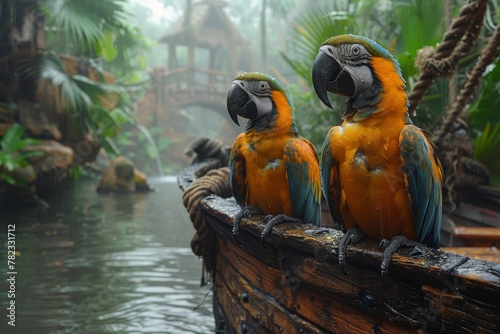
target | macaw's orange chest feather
[
  {"x": 373, "y": 188},
  {"x": 267, "y": 185}
]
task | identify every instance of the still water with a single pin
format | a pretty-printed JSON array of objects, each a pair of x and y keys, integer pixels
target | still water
[{"x": 94, "y": 263}]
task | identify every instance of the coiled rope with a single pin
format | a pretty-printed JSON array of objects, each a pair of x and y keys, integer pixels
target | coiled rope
[{"x": 215, "y": 182}]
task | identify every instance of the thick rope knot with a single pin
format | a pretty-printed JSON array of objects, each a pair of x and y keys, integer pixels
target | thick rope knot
[
  {"x": 215, "y": 182},
  {"x": 474, "y": 81},
  {"x": 427, "y": 62},
  {"x": 423, "y": 57},
  {"x": 454, "y": 149},
  {"x": 456, "y": 43}
]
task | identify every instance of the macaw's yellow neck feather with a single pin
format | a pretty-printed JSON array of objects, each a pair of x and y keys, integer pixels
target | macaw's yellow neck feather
[
  {"x": 285, "y": 121},
  {"x": 393, "y": 96}
]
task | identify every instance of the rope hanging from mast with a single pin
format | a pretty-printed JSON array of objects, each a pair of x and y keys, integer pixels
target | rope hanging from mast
[{"x": 457, "y": 42}]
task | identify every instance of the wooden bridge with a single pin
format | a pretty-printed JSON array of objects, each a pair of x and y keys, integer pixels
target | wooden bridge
[
  {"x": 205, "y": 52},
  {"x": 181, "y": 87}
]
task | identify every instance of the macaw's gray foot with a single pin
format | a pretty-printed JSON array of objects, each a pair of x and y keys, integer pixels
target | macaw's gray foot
[
  {"x": 272, "y": 221},
  {"x": 352, "y": 236},
  {"x": 389, "y": 247},
  {"x": 245, "y": 212}
]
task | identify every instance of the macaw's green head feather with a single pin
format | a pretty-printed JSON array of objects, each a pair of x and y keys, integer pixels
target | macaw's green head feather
[
  {"x": 257, "y": 76},
  {"x": 259, "y": 98},
  {"x": 373, "y": 47},
  {"x": 359, "y": 68}
]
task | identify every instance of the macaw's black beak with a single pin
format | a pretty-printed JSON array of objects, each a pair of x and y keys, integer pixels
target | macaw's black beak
[
  {"x": 328, "y": 76},
  {"x": 239, "y": 103}
]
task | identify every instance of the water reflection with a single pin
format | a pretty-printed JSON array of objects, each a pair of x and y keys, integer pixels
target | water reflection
[{"x": 106, "y": 264}]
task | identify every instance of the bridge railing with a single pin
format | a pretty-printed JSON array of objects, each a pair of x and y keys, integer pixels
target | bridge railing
[{"x": 195, "y": 80}]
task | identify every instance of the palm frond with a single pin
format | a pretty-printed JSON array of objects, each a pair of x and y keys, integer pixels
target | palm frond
[
  {"x": 485, "y": 109},
  {"x": 84, "y": 97},
  {"x": 84, "y": 22},
  {"x": 73, "y": 97},
  {"x": 95, "y": 90},
  {"x": 428, "y": 17}
]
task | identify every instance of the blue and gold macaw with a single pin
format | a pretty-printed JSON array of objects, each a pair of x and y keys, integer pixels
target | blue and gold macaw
[
  {"x": 379, "y": 173},
  {"x": 273, "y": 170}
]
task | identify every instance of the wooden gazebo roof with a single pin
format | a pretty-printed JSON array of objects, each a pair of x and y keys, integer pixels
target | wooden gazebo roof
[{"x": 211, "y": 27}]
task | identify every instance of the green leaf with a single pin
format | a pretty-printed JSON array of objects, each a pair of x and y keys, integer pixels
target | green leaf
[
  {"x": 11, "y": 137},
  {"x": 485, "y": 108},
  {"x": 10, "y": 180},
  {"x": 107, "y": 47},
  {"x": 487, "y": 147},
  {"x": 29, "y": 141},
  {"x": 31, "y": 154},
  {"x": 10, "y": 165},
  {"x": 134, "y": 77}
]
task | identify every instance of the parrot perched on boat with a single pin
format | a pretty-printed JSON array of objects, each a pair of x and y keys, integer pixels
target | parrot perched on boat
[
  {"x": 379, "y": 173},
  {"x": 273, "y": 170}
]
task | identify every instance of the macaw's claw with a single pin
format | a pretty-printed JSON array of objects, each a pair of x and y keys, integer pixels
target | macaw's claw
[
  {"x": 419, "y": 249},
  {"x": 245, "y": 212},
  {"x": 272, "y": 221},
  {"x": 352, "y": 236},
  {"x": 343, "y": 267},
  {"x": 389, "y": 247}
]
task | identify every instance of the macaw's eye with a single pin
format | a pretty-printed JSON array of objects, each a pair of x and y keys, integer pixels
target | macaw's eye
[
  {"x": 263, "y": 85},
  {"x": 355, "y": 50}
]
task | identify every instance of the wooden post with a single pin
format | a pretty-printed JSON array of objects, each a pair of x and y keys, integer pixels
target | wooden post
[{"x": 171, "y": 56}]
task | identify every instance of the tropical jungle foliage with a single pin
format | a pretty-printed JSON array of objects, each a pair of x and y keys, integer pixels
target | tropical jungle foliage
[
  {"x": 34, "y": 35},
  {"x": 12, "y": 155},
  {"x": 101, "y": 33}
]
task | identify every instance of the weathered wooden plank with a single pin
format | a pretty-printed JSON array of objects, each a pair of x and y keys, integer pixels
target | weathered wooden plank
[
  {"x": 447, "y": 311},
  {"x": 432, "y": 265},
  {"x": 222, "y": 322},
  {"x": 477, "y": 215},
  {"x": 300, "y": 253},
  {"x": 186, "y": 178},
  {"x": 477, "y": 236},
  {"x": 479, "y": 281},
  {"x": 236, "y": 314},
  {"x": 333, "y": 312},
  {"x": 390, "y": 299},
  {"x": 479, "y": 253},
  {"x": 477, "y": 232},
  {"x": 263, "y": 313}
]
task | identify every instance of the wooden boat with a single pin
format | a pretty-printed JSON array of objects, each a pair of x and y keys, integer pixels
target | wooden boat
[{"x": 292, "y": 283}]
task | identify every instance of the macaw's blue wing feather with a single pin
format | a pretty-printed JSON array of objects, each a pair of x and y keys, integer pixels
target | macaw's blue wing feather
[
  {"x": 330, "y": 181},
  {"x": 424, "y": 179},
  {"x": 301, "y": 163},
  {"x": 237, "y": 174}
]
